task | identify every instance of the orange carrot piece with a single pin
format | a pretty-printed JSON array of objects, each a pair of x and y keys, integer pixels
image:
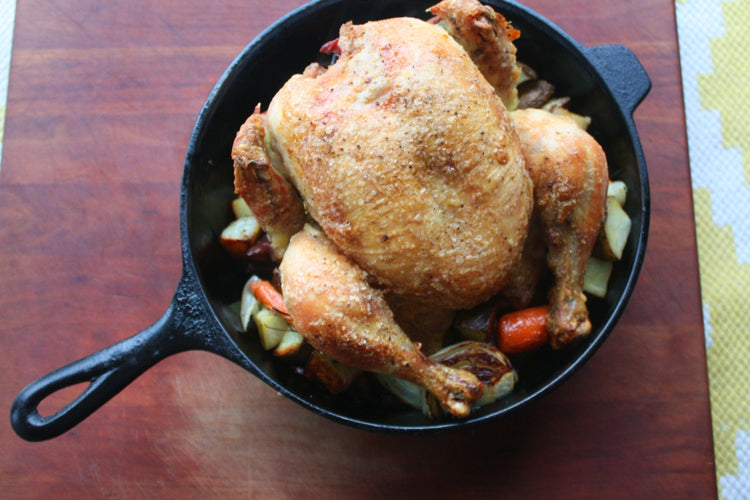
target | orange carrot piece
[
  {"x": 267, "y": 294},
  {"x": 524, "y": 330}
]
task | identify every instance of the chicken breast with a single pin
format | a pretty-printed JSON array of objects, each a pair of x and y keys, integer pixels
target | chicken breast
[{"x": 408, "y": 161}]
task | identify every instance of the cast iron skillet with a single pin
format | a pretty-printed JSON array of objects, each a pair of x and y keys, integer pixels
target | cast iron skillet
[{"x": 605, "y": 82}]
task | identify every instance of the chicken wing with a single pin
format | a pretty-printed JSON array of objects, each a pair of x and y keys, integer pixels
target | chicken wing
[
  {"x": 488, "y": 39},
  {"x": 271, "y": 197}
]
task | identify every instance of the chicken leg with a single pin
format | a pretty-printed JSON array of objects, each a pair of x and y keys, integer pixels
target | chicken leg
[
  {"x": 339, "y": 313},
  {"x": 569, "y": 171}
]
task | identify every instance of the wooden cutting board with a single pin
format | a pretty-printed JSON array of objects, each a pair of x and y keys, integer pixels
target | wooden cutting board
[{"x": 102, "y": 100}]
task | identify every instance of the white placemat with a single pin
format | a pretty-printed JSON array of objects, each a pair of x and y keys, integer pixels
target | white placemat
[
  {"x": 715, "y": 60},
  {"x": 7, "y": 19}
]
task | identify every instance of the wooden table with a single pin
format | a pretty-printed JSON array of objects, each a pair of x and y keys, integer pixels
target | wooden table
[{"x": 102, "y": 101}]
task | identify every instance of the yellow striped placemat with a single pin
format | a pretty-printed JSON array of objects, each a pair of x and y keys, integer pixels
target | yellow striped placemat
[{"x": 714, "y": 45}]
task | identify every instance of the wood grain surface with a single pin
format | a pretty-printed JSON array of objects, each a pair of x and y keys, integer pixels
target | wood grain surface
[{"x": 102, "y": 100}]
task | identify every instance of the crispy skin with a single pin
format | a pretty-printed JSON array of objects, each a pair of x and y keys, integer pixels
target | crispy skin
[
  {"x": 569, "y": 170},
  {"x": 423, "y": 185},
  {"x": 407, "y": 159},
  {"x": 271, "y": 197},
  {"x": 487, "y": 37},
  {"x": 350, "y": 321}
]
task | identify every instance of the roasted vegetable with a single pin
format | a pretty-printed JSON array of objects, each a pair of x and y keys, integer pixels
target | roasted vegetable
[
  {"x": 262, "y": 303},
  {"x": 249, "y": 305},
  {"x": 290, "y": 343},
  {"x": 483, "y": 360},
  {"x": 241, "y": 209},
  {"x": 559, "y": 106},
  {"x": 271, "y": 328},
  {"x": 474, "y": 324},
  {"x": 596, "y": 279},
  {"x": 239, "y": 236},
  {"x": 271, "y": 298},
  {"x": 336, "y": 376},
  {"x": 527, "y": 73},
  {"x": 619, "y": 191},
  {"x": 534, "y": 93},
  {"x": 615, "y": 231},
  {"x": 486, "y": 362},
  {"x": 524, "y": 330}
]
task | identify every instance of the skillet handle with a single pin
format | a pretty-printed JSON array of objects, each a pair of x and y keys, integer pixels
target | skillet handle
[
  {"x": 107, "y": 371},
  {"x": 622, "y": 72},
  {"x": 110, "y": 370}
]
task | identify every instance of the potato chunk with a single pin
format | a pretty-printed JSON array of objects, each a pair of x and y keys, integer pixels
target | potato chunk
[
  {"x": 239, "y": 236},
  {"x": 614, "y": 234},
  {"x": 596, "y": 279}
]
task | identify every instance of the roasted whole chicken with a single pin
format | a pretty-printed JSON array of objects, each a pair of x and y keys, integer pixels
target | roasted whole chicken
[{"x": 403, "y": 174}]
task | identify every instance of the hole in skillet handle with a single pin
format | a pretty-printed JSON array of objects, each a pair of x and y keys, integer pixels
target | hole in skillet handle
[{"x": 186, "y": 325}]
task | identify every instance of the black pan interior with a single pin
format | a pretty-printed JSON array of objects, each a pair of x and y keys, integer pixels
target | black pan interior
[{"x": 286, "y": 48}]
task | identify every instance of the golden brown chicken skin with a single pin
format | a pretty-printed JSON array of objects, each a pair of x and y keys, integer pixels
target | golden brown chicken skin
[
  {"x": 567, "y": 167},
  {"x": 569, "y": 170},
  {"x": 420, "y": 187},
  {"x": 271, "y": 197},
  {"x": 488, "y": 39},
  {"x": 409, "y": 162},
  {"x": 343, "y": 316}
]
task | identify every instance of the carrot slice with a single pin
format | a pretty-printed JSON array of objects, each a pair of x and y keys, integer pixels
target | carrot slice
[
  {"x": 331, "y": 47},
  {"x": 267, "y": 294},
  {"x": 524, "y": 330}
]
